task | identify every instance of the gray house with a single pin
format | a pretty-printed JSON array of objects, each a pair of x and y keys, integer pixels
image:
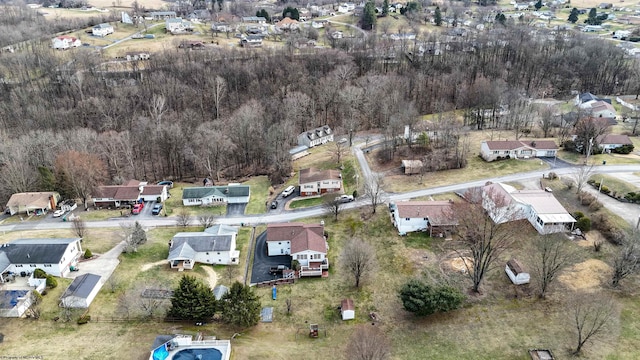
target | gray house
[
  {"x": 216, "y": 245},
  {"x": 318, "y": 136},
  {"x": 81, "y": 291},
  {"x": 208, "y": 195}
]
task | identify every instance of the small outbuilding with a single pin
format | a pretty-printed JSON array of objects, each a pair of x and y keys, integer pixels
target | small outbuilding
[
  {"x": 219, "y": 291},
  {"x": 515, "y": 272},
  {"x": 347, "y": 309},
  {"x": 410, "y": 167},
  {"x": 82, "y": 291}
]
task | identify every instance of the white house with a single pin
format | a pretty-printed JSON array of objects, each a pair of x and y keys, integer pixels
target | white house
[
  {"x": 436, "y": 217},
  {"x": 102, "y": 30},
  {"x": 33, "y": 202},
  {"x": 254, "y": 20},
  {"x": 515, "y": 272},
  {"x": 216, "y": 245},
  {"x": 177, "y": 25},
  {"x": 318, "y": 136},
  {"x": 597, "y": 107},
  {"x": 516, "y": 149},
  {"x": 55, "y": 256},
  {"x": 317, "y": 182},
  {"x": 305, "y": 243},
  {"x": 128, "y": 193},
  {"x": 208, "y": 195},
  {"x": 504, "y": 203},
  {"x": 81, "y": 291},
  {"x": 347, "y": 309},
  {"x": 251, "y": 41},
  {"x": 613, "y": 141},
  {"x": 65, "y": 42}
]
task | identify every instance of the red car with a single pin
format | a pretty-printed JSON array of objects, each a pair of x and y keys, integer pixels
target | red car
[{"x": 137, "y": 208}]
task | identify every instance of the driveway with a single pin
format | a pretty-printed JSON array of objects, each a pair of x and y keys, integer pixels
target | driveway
[
  {"x": 236, "y": 209},
  {"x": 103, "y": 265},
  {"x": 262, "y": 263}
]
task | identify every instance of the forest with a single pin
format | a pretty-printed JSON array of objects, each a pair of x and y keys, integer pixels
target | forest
[{"x": 236, "y": 112}]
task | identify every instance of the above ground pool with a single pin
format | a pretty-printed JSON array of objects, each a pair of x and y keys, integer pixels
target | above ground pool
[{"x": 198, "y": 354}]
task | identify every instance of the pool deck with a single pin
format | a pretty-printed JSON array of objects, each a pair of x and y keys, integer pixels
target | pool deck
[{"x": 183, "y": 342}]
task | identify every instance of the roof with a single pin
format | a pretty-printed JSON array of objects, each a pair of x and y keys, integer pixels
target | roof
[
  {"x": 4, "y": 261},
  {"x": 174, "y": 20},
  {"x": 218, "y": 191},
  {"x": 614, "y": 139},
  {"x": 287, "y": 21},
  {"x": 102, "y": 26},
  {"x": 546, "y": 206},
  {"x": 515, "y": 266},
  {"x": 161, "y": 340},
  {"x": 347, "y": 304},
  {"x": 516, "y": 144},
  {"x": 318, "y": 132},
  {"x": 585, "y": 97},
  {"x": 162, "y": 13},
  {"x": 37, "y": 251},
  {"x": 153, "y": 190},
  {"x": 412, "y": 163},
  {"x": 253, "y": 18},
  {"x": 302, "y": 236},
  {"x": 298, "y": 149},
  {"x": 185, "y": 245},
  {"x": 220, "y": 229},
  {"x": 82, "y": 286},
  {"x": 38, "y": 200},
  {"x": 438, "y": 212},
  {"x": 66, "y": 37},
  {"x": 313, "y": 175},
  {"x": 118, "y": 192},
  {"x": 219, "y": 291}
]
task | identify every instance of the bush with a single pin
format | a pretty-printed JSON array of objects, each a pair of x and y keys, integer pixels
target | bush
[
  {"x": 36, "y": 296},
  {"x": 578, "y": 215},
  {"x": 586, "y": 198},
  {"x": 605, "y": 189},
  {"x": 624, "y": 149},
  {"x": 595, "y": 206},
  {"x": 584, "y": 224},
  {"x": 424, "y": 299},
  {"x": 553, "y": 176},
  {"x": 355, "y": 194},
  {"x": 51, "y": 282},
  {"x": 632, "y": 196},
  {"x": 87, "y": 254},
  {"x": 609, "y": 231},
  {"x": 40, "y": 274},
  {"x": 84, "y": 319}
]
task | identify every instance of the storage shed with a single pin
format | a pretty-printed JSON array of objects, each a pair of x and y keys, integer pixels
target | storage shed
[
  {"x": 410, "y": 167},
  {"x": 347, "y": 309},
  {"x": 82, "y": 291},
  {"x": 515, "y": 272}
]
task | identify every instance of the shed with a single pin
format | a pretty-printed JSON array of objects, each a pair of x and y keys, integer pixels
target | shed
[
  {"x": 219, "y": 291},
  {"x": 347, "y": 309},
  {"x": 266, "y": 314},
  {"x": 82, "y": 291},
  {"x": 537, "y": 354},
  {"x": 410, "y": 167},
  {"x": 515, "y": 272}
]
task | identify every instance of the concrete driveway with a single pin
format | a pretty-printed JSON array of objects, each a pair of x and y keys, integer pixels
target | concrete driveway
[
  {"x": 103, "y": 264},
  {"x": 262, "y": 262},
  {"x": 236, "y": 209}
]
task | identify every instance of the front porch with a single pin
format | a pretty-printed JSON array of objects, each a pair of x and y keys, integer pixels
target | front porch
[{"x": 181, "y": 265}]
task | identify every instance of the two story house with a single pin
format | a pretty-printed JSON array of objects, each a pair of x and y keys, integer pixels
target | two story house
[
  {"x": 317, "y": 182},
  {"x": 305, "y": 243},
  {"x": 102, "y": 30},
  {"x": 55, "y": 256},
  {"x": 317, "y": 136}
]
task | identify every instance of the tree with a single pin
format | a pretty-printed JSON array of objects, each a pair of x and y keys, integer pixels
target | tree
[
  {"x": 79, "y": 227},
  {"x": 206, "y": 221},
  {"x": 192, "y": 300},
  {"x": 373, "y": 189},
  {"x": 368, "y": 20},
  {"x": 133, "y": 236},
  {"x": 262, "y": 13},
  {"x": 538, "y": 5},
  {"x": 590, "y": 315},
  {"x": 385, "y": 8},
  {"x": 183, "y": 218},
  {"x": 291, "y": 13},
  {"x": 339, "y": 149},
  {"x": 368, "y": 343},
  {"x": 437, "y": 17},
  {"x": 79, "y": 173},
  {"x": 626, "y": 263},
  {"x": 573, "y": 16},
  {"x": 582, "y": 174},
  {"x": 500, "y": 18},
  {"x": 358, "y": 259},
  {"x": 331, "y": 204},
  {"x": 550, "y": 257},
  {"x": 587, "y": 131},
  {"x": 484, "y": 238},
  {"x": 423, "y": 299},
  {"x": 593, "y": 19},
  {"x": 240, "y": 306}
]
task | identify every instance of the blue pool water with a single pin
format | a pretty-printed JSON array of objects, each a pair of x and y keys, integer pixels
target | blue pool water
[
  {"x": 198, "y": 354},
  {"x": 9, "y": 298}
]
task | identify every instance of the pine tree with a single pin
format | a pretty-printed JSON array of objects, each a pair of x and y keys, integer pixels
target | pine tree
[
  {"x": 240, "y": 306},
  {"x": 437, "y": 17},
  {"x": 385, "y": 8},
  {"x": 192, "y": 300},
  {"x": 368, "y": 20},
  {"x": 538, "y": 5},
  {"x": 573, "y": 17}
]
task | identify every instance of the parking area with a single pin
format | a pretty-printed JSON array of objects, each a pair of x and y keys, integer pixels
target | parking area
[
  {"x": 236, "y": 209},
  {"x": 262, "y": 263}
]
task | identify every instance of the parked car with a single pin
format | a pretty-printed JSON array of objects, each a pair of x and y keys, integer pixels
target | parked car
[
  {"x": 344, "y": 198},
  {"x": 274, "y": 204},
  {"x": 58, "y": 213},
  {"x": 156, "y": 209},
  {"x": 168, "y": 183},
  {"x": 288, "y": 191},
  {"x": 137, "y": 208}
]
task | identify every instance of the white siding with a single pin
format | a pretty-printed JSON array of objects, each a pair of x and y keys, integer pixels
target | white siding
[
  {"x": 275, "y": 248},
  {"x": 304, "y": 257},
  {"x": 405, "y": 226}
]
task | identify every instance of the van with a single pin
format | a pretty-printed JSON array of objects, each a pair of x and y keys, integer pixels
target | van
[{"x": 288, "y": 191}]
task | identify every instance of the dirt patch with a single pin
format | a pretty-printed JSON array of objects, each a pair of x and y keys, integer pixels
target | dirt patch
[
  {"x": 148, "y": 266},
  {"x": 587, "y": 275},
  {"x": 461, "y": 264},
  {"x": 590, "y": 238},
  {"x": 213, "y": 277}
]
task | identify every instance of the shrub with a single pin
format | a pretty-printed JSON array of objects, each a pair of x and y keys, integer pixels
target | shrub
[
  {"x": 595, "y": 206},
  {"x": 624, "y": 149},
  {"x": 87, "y": 254},
  {"x": 84, "y": 319},
  {"x": 51, "y": 282},
  {"x": 586, "y": 198},
  {"x": 578, "y": 215},
  {"x": 424, "y": 299},
  {"x": 355, "y": 194},
  {"x": 553, "y": 176},
  {"x": 36, "y": 296},
  {"x": 605, "y": 189},
  {"x": 39, "y": 274},
  {"x": 584, "y": 224}
]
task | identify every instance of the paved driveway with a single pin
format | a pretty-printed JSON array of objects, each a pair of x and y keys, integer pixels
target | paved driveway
[
  {"x": 236, "y": 209},
  {"x": 103, "y": 265},
  {"x": 262, "y": 262}
]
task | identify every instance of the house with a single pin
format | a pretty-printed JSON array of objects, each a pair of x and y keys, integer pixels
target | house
[
  {"x": 517, "y": 149},
  {"x": 602, "y": 109},
  {"x": 178, "y": 25},
  {"x": 129, "y": 193},
  {"x": 317, "y": 182},
  {"x": 318, "y": 136},
  {"x": 251, "y": 41},
  {"x": 605, "y": 5},
  {"x": 199, "y": 15},
  {"x": 102, "y": 30},
  {"x": 305, "y": 243},
  {"x": 216, "y": 245},
  {"x": 208, "y": 195},
  {"x": 410, "y": 167},
  {"x": 33, "y": 202},
  {"x": 55, "y": 256},
  {"x": 515, "y": 273},
  {"x": 543, "y": 211},
  {"x": 221, "y": 27},
  {"x": 288, "y": 24},
  {"x": 613, "y": 141},
  {"x": 65, "y": 42},
  {"x": 81, "y": 291},
  {"x": 435, "y": 217},
  {"x": 298, "y": 152},
  {"x": 347, "y": 309},
  {"x": 135, "y": 56},
  {"x": 254, "y": 20},
  {"x": 337, "y": 35},
  {"x": 521, "y": 6},
  {"x": 161, "y": 15}
]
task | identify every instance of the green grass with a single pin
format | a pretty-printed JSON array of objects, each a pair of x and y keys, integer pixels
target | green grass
[
  {"x": 598, "y": 159},
  {"x": 615, "y": 185},
  {"x": 259, "y": 194},
  {"x": 303, "y": 203},
  {"x": 173, "y": 205},
  {"x": 95, "y": 215}
]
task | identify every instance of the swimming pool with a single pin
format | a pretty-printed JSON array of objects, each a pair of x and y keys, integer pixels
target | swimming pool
[{"x": 198, "y": 354}]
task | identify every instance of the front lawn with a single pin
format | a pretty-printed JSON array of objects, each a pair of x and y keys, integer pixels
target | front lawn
[
  {"x": 259, "y": 194},
  {"x": 298, "y": 203}
]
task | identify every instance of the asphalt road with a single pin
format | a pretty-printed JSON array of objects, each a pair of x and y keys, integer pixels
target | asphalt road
[{"x": 262, "y": 262}]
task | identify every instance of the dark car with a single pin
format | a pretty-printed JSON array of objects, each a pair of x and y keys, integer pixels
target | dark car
[
  {"x": 156, "y": 209},
  {"x": 274, "y": 204},
  {"x": 168, "y": 183}
]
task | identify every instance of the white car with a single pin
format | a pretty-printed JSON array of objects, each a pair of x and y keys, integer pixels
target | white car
[
  {"x": 288, "y": 191},
  {"x": 344, "y": 198},
  {"x": 58, "y": 213}
]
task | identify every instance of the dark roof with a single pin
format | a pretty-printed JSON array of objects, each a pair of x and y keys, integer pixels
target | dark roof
[
  {"x": 161, "y": 340},
  {"x": 82, "y": 286},
  {"x": 118, "y": 192},
  {"x": 515, "y": 266},
  {"x": 516, "y": 144},
  {"x": 219, "y": 191},
  {"x": 185, "y": 244},
  {"x": 347, "y": 304},
  {"x": 302, "y": 236},
  {"x": 313, "y": 175},
  {"x": 153, "y": 189},
  {"x": 36, "y": 251}
]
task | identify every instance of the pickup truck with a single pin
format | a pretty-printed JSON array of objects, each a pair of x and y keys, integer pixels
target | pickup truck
[{"x": 278, "y": 269}]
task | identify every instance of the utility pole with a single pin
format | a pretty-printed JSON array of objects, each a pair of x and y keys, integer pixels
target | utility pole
[{"x": 586, "y": 162}]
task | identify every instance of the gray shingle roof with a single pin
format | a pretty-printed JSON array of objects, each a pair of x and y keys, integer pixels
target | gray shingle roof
[
  {"x": 36, "y": 251},
  {"x": 4, "y": 261},
  {"x": 82, "y": 286},
  {"x": 220, "y": 191},
  {"x": 185, "y": 245}
]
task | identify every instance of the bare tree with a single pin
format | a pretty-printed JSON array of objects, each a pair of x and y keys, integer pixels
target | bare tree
[
  {"x": 183, "y": 219},
  {"x": 551, "y": 255},
  {"x": 289, "y": 304},
  {"x": 219, "y": 90},
  {"x": 206, "y": 220},
  {"x": 79, "y": 173},
  {"x": 590, "y": 315},
  {"x": 332, "y": 205},
  {"x": 79, "y": 227},
  {"x": 626, "y": 263},
  {"x": 368, "y": 343},
  {"x": 358, "y": 259},
  {"x": 582, "y": 175},
  {"x": 157, "y": 108},
  {"x": 546, "y": 115},
  {"x": 373, "y": 189},
  {"x": 339, "y": 150}
]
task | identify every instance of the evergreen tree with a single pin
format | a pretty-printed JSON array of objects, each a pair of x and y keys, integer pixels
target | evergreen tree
[
  {"x": 138, "y": 236},
  {"x": 538, "y": 5},
  {"x": 263, "y": 13},
  {"x": 437, "y": 17},
  {"x": 423, "y": 299},
  {"x": 593, "y": 18},
  {"x": 501, "y": 19},
  {"x": 573, "y": 17},
  {"x": 368, "y": 20},
  {"x": 192, "y": 300},
  {"x": 291, "y": 12},
  {"x": 240, "y": 306},
  {"x": 385, "y": 8}
]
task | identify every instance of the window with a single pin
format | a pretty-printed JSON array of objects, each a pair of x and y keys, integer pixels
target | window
[
  {"x": 425, "y": 219},
  {"x": 496, "y": 152},
  {"x": 47, "y": 265},
  {"x": 407, "y": 219},
  {"x": 207, "y": 253},
  {"x": 218, "y": 253},
  {"x": 32, "y": 265},
  {"x": 18, "y": 265},
  {"x": 302, "y": 256},
  {"x": 316, "y": 256}
]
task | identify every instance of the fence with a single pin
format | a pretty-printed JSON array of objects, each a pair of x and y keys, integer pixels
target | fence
[{"x": 275, "y": 282}]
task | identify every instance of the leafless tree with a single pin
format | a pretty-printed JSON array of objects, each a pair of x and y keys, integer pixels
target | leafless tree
[
  {"x": 113, "y": 283},
  {"x": 368, "y": 343},
  {"x": 626, "y": 262},
  {"x": 206, "y": 220},
  {"x": 339, "y": 150},
  {"x": 157, "y": 109},
  {"x": 358, "y": 259},
  {"x": 550, "y": 257},
  {"x": 219, "y": 90},
  {"x": 80, "y": 173},
  {"x": 133, "y": 236},
  {"x": 373, "y": 189},
  {"x": 590, "y": 314},
  {"x": 79, "y": 227},
  {"x": 546, "y": 115},
  {"x": 331, "y": 205},
  {"x": 183, "y": 218},
  {"x": 581, "y": 175},
  {"x": 289, "y": 305}
]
